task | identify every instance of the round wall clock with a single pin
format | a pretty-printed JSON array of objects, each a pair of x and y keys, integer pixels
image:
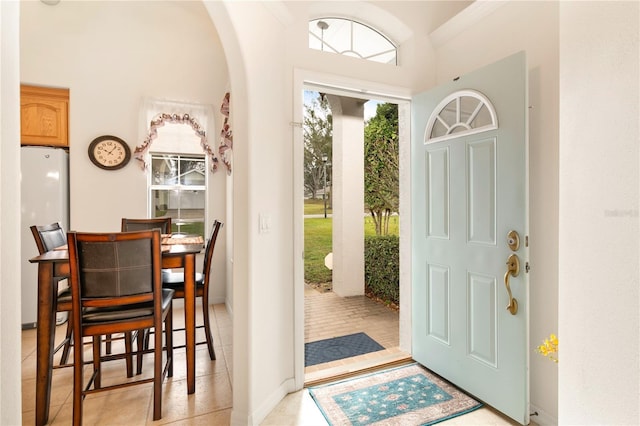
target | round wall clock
[{"x": 109, "y": 152}]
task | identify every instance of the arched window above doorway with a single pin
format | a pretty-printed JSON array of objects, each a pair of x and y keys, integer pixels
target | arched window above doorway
[
  {"x": 460, "y": 113},
  {"x": 351, "y": 38}
]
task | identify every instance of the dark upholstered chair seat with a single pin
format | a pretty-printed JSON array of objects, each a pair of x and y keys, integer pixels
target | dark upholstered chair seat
[{"x": 137, "y": 311}]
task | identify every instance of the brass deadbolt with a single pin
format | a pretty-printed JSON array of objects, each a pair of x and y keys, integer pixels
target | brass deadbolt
[{"x": 513, "y": 240}]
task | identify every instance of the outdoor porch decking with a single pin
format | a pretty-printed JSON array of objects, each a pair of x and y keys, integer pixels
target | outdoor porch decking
[{"x": 329, "y": 315}]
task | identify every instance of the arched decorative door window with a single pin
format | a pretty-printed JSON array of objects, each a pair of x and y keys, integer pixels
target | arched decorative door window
[{"x": 461, "y": 113}]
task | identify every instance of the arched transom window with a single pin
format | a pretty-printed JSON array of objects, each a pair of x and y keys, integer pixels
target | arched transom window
[
  {"x": 463, "y": 112},
  {"x": 350, "y": 38}
]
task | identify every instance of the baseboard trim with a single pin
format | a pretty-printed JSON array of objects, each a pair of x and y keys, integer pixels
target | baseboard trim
[
  {"x": 541, "y": 417},
  {"x": 272, "y": 401}
]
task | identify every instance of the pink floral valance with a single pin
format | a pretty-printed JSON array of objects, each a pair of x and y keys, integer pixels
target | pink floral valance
[
  {"x": 226, "y": 135},
  {"x": 175, "y": 118}
]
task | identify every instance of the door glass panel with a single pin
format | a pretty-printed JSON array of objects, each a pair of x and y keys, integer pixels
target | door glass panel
[
  {"x": 468, "y": 106},
  {"x": 483, "y": 118},
  {"x": 448, "y": 113},
  {"x": 438, "y": 130},
  {"x": 462, "y": 112}
]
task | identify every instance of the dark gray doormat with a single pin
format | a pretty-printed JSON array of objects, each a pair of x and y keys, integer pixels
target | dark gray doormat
[{"x": 339, "y": 348}]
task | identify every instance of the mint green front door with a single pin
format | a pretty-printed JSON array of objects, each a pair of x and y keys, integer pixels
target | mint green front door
[{"x": 469, "y": 191}]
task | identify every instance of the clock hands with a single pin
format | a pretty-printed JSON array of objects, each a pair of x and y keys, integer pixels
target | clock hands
[{"x": 111, "y": 151}]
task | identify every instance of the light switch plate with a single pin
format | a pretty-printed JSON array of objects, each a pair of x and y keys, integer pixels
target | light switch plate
[{"x": 264, "y": 223}]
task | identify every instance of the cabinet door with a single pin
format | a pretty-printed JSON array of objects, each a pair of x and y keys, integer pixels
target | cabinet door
[{"x": 44, "y": 116}]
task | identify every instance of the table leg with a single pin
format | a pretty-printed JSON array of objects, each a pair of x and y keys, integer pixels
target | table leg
[
  {"x": 190, "y": 319},
  {"x": 44, "y": 340}
]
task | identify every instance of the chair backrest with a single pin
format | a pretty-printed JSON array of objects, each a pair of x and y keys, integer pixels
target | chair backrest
[
  {"x": 115, "y": 269},
  {"x": 163, "y": 223},
  {"x": 208, "y": 252},
  {"x": 48, "y": 237}
]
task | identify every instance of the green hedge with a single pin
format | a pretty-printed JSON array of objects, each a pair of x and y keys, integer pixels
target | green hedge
[{"x": 382, "y": 267}]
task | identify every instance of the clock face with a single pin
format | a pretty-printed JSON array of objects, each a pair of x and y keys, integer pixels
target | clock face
[{"x": 109, "y": 152}]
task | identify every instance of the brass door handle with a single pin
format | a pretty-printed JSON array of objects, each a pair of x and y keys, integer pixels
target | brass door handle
[{"x": 513, "y": 269}]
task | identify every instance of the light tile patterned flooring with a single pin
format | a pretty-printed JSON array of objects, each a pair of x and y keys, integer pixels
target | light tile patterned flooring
[
  {"x": 327, "y": 315},
  {"x": 209, "y": 405}
]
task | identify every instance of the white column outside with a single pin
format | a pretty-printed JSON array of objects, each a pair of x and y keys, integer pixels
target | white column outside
[{"x": 348, "y": 195}]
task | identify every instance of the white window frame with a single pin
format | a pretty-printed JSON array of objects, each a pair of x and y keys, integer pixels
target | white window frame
[
  {"x": 151, "y": 187},
  {"x": 164, "y": 143},
  {"x": 459, "y": 121}
]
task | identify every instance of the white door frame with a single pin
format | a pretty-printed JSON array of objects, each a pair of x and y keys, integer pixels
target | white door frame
[{"x": 338, "y": 85}]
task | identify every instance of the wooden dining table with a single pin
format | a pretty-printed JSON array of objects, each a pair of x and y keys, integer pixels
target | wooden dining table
[{"x": 54, "y": 265}]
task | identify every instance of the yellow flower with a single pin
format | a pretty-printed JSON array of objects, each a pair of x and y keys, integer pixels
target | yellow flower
[{"x": 549, "y": 348}]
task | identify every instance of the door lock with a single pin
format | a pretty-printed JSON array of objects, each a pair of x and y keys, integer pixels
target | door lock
[{"x": 513, "y": 240}]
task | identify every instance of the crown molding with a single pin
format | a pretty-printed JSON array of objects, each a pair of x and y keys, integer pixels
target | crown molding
[{"x": 472, "y": 14}]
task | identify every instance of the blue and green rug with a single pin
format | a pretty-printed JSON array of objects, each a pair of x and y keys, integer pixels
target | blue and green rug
[{"x": 407, "y": 396}]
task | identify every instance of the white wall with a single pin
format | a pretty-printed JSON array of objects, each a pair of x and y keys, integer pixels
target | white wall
[
  {"x": 262, "y": 188},
  {"x": 255, "y": 36},
  {"x": 532, "y": 27},
  {"x": 111, "y": 55},
  {"x": 599, "y": 379},
  {"x": 264, "y": 43},
  {"x": 10, "y": 380}
]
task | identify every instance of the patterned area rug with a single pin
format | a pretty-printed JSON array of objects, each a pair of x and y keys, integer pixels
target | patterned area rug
[
  {"x": 407, "y": 396},
  {"x": 339, "y": 348}
]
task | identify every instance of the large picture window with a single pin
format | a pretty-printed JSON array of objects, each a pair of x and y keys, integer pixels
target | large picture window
[{"x": 178, "y": 189}]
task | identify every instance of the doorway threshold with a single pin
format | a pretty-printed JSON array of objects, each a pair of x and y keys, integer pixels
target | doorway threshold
[{"x": 349, "y": 367}]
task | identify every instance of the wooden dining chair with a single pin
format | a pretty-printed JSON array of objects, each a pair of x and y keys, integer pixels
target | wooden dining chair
[
  {"x": 47, "y": 238},
  {"x": 116, "y": 287},
  {"x": 175, "y": 281},
  {"x": 143, "y": 224},
  {"x": 163, "y": 223}
]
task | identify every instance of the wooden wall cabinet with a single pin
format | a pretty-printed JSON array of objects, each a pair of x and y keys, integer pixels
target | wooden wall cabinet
[{"x": 44, "y": 116}]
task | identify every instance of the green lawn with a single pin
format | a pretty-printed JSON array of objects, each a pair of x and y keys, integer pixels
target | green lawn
[
  {"x": 312, "y": 206},
  {"x": 317, "y": 244}
]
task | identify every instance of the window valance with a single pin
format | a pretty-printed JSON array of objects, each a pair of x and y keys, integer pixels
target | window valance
[
  {"x": 226, "y": 134},
  {"x": 156, "y": 113}
]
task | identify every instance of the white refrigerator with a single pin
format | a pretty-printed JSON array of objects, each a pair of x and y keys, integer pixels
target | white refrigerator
[{"x": 44, "y": 188}]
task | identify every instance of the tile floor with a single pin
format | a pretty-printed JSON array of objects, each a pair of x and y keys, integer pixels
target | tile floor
[
  {"x": 209, "y": 405},
  {"x": 327, "y": 316}
]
